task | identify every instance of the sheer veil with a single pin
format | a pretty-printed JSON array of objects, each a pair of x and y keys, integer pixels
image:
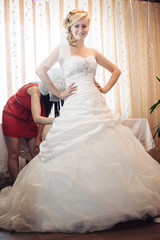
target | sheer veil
[
  {"x": 56, "y": 73},
  {"x": 64, "y": 48}
]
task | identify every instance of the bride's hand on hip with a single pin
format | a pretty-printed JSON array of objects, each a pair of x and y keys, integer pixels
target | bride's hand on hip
[
  {"x": 102, "y": 90},
  {"x": 69, "y": 91}
]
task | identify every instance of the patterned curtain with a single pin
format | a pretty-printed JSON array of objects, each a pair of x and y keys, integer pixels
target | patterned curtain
[{"x": 127, "y": 32}]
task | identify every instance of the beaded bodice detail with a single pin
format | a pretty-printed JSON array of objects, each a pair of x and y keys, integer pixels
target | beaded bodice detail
[{"x": 79, "y": 65}]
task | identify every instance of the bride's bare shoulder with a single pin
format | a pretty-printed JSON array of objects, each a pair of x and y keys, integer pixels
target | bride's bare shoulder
[{"x": 92, "y": 51}]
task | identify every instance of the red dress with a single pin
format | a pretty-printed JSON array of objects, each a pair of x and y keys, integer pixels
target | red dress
[{"x": 17, "y": 118}]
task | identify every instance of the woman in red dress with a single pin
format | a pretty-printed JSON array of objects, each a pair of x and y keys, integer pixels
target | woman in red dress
[{"x": 24, "y": 116}]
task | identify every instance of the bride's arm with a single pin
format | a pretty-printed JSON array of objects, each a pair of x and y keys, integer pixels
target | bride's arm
[
  {"x": 42, "y": 70},
  {"x": 104, "y": 62}
]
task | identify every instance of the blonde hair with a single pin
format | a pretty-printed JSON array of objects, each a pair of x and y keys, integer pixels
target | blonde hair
[{"x": 72, "y": 17}]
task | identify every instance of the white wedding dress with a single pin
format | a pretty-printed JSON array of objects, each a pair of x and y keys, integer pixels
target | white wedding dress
[{"x": 91, "y": 173}]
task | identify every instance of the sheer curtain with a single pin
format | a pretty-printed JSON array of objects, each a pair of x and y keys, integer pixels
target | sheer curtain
[{"x": 127, "y": 32}]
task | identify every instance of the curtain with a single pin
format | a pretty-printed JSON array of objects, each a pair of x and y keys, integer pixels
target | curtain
[{"x": 127, "y": 32}]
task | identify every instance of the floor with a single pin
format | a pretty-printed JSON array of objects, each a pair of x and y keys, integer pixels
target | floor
[{"x": 134, "y": 230}]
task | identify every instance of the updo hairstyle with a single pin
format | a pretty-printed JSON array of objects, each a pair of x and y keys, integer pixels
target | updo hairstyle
[{"x": 70, "y": 19}]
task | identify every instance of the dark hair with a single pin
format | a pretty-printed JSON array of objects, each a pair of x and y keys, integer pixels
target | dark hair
[
  {"x": 49, "y": 104},
  {"x": 57, "y": 107}
]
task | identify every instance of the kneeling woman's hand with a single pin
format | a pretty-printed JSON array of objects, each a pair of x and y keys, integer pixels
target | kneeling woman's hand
[{"x": 36, "y": 145}]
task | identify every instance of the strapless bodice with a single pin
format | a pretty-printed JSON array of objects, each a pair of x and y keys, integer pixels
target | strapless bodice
[
  {"x": 76, "y": 67},
  {"x": 81, "y": 71}
]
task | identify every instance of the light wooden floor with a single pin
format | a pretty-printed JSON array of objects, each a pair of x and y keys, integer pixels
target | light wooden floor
[{"x": 136, "y": 230}]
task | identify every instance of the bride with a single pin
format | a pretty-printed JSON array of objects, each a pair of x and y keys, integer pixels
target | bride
[{"x": 91, "y": 172}]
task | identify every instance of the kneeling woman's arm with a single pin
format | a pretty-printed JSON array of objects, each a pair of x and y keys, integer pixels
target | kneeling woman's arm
[
  {"x": 36, "y": 107},
  {"x": 38, "y": 139}
]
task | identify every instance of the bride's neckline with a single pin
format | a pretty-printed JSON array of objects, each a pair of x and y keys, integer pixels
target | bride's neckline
[{"x": 84, "y": 57}]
